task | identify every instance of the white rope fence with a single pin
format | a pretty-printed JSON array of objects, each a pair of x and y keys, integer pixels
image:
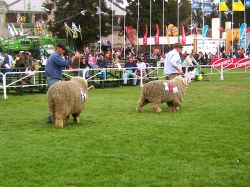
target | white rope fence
[{"x": 38, "y": 78}]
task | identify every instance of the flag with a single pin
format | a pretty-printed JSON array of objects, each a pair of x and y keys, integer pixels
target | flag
[
  {"x": 157, "y": 35},
  {"x": 68, "y": 30},
  {"x": 223, "y": 6},
  {"x": 247, "y": 4},
  {"x": 208, "y": 7},
  {"x": 11, "y": 31},
  {"x": 145, "y": 37},
  {"x": 196, "y": 5},
  {"x": 21, "y": 30},
  {"x": 14, "y": 29},
  {"x": 75, "y": 30},
  {"x": 80, "y": 30},
  {"x": 238, "y": 6},
  {"x": 129, "y": 34},
  {"x": 204, "y": 33},
  {"x": 183, "y": 38},
  {"x": 74, "y": 27},
  {"x": 243, "y": 28},
  {"x": 167, "y": 35},
  {"x": 75, "y": 35}
]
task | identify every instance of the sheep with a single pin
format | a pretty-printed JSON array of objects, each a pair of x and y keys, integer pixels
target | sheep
[
  {"x": 164, "y": 91},
  {"x": 67, "y": 98}
]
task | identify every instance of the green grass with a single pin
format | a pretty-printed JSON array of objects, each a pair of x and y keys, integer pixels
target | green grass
[{"x": 206, "y": 143}]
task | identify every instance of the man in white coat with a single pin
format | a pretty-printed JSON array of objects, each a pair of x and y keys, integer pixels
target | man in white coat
[{"x": 172, "y": 62}]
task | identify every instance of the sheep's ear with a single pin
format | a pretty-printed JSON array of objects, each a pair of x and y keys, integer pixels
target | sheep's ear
[{"x": 85, "y": 83}]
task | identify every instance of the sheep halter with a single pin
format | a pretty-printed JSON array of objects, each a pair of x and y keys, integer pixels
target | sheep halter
[{"x": 83, "y": 96}]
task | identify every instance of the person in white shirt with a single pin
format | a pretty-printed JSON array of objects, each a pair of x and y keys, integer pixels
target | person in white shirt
[
  {"x": 189, "y": 62},
  {"x": 172, "y": 62},
  {"x": 142, "y": 65}
]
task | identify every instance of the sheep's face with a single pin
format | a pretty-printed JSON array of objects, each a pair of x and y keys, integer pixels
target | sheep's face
[
  {"x": 187, "y": 78},
  {"x": 82, "y": 81}
]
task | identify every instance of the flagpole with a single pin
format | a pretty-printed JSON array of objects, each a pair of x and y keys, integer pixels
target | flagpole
[
  {"x": 100, "y": 26},
  {"x": 203, "y": 23},
  {"x": 112, "y": 45},
  {"x": 124, "y": 35},
  {"x": 150, "y": 28},
  {"x": 178, "y": 20},
  {"x": 245, "y": 21},
  {"x": 163, "y": 23},
  {"x": 191, "y": 20},
  {"x": 138, "y": 17},
  {"x": 232, "y": 31}
]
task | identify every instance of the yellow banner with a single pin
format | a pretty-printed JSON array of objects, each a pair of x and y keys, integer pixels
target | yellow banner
[
  {"x": 238, "y": 5},
  {"x": 223, "y": 7}
]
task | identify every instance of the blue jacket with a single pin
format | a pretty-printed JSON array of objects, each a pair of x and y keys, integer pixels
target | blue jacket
[{"x": 55, "y": 64}]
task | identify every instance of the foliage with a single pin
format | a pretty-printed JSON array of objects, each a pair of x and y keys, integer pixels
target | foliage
[
  {"x": 89, "y": 23},
  {"x": 206, "y": 143},
  {"x": 170, "y": 14}
]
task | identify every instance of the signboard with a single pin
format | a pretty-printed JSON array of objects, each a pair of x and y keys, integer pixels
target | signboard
[
  {"x": 210, "y": 45},
  {"x": 230, "y": 62}
]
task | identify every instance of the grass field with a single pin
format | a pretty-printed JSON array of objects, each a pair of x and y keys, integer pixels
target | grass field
[{"x": 206, "y": 143}]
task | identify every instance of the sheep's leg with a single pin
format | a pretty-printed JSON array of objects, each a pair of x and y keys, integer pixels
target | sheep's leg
[
  {"x": 170, "y": 106},
  {"x": 176, "y": 105},
  {"x": 66, "y": 120},
  {"x": 140, "y": 104},
  {"x": 156, "y": 107},
  {"x": 76, "y": 118}
]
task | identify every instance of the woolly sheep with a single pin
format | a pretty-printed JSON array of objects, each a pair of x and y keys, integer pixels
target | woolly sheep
[
  {"x": 157, "y": 92},
  {"x": 65, "y": 98}
]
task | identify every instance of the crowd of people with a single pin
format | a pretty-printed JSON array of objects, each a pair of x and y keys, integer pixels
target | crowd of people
[{"x": 92, "y": 58}]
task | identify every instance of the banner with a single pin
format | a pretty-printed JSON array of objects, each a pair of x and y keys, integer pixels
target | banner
[
  {"x": 167, "y": 36},
  {"x": 204, "y": 33},
  {"x": 238, "y": 6},
  {"x": 80, "y": 30},
  {"x": 247, "y": 4},
  {"x": 145, "y": 37},
  {"x": 157, "y": 35},
  {"x": 130, "y": 34},
  {"x": 242, "y": 32},
  {"x": 67, "y": 30},
  {"x": 74, "y": 27},
  {"x": 196, "y": 5},
  {"x": 230, "y": 62},
  {"x": 208, "y": 7},
  {"x": 223, "y": 6},
  {"x": 10, "y": 31},
  {"x": 183, "y": 38}
]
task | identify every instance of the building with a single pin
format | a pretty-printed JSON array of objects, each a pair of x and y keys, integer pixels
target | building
[{"x": 12, "y": 10}]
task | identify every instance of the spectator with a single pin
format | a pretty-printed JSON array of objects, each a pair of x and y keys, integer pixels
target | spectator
[
  {"x": 130, "y": 70},
  {"x": 190, "y": 61},
  {"x": 116, "y": 61},
  {"x": 92, "y": 61},
  {"x": 201, "y": 59},
  {"x": 102, "y": 63},
  {"x": 142, "y": 66},
  {"x": 1, "y": 59}
]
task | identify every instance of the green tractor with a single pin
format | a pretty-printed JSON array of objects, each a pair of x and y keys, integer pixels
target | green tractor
[{"x": 34, "y": 44}]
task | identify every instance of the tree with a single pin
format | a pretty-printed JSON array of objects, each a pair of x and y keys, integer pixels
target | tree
[
  {"x": 68, "y": 11},
  {"x": 170, "y": 14}
]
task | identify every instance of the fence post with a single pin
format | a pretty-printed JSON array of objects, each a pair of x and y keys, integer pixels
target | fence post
[
  {"x": 221, "y": 72},
  {"x": 4, "y": 87},
  {"x": 141, "y": 78}
]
